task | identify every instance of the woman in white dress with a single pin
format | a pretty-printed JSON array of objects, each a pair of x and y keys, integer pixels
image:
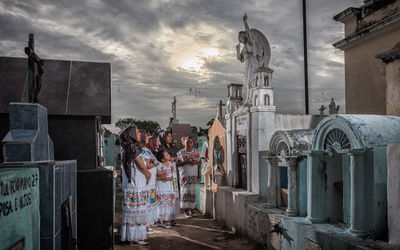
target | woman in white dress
[
  {"x": 150, "y": 161},
  {"x": 188, "y": 162},
  {"x": 135, "y": 180},
  {"x": 166, "y": 196}
]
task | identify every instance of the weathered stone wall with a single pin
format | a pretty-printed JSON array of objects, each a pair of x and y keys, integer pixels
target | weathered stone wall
[
  {"x": 365, "y": 87},
  {"x": 393, "y": 88},
  {"x": 290, "y": 122}
]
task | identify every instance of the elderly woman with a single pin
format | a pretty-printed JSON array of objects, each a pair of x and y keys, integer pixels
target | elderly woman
[
  {"x": 188, "y": 162},
  {"x": 135, "y": 180}
]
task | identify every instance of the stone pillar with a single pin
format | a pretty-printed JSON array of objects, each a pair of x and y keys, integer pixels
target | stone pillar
[
  {"x": 393, "y": 191},
  {"x": 316, "y": 185},
  {"x": 271, "y": 183},
  {"x": 359, "y": 180},
  {"x": 292, "y": 186},
  {"x": 249, "y": 150}
]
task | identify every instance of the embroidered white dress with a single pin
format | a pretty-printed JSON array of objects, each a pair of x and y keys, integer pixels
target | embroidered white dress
[
  {"x": 134, "y": 205},
  {"x": 167, "y": 199},
  {"x": 151, "y": 214},
  {"x": 177, "y": 209},
  {"x": 188, "y": 175}
]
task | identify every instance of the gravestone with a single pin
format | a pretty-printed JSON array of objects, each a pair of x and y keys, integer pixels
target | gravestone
[
  {"x": 28, "y": 138},
  {"x": 19, "y": 208},
  {"x": 27, "y": 145}
]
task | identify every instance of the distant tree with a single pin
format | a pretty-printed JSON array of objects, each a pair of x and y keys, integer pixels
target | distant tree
[
  {"x": 150, "y": 126},
  {"x": 203, "y": 131},
  {"x": 210, "y": 122}
]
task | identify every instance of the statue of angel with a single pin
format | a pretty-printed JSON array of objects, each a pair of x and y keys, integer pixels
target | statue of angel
[{"x": 256, "y": 53}]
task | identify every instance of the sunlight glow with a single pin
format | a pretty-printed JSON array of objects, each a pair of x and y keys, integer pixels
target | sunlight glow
[{"x": 195, "y": 58}]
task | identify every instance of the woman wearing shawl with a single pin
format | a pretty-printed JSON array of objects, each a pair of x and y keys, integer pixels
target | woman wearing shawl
[
  {"x": 189, "y": 160},
  {"x": 135, "y": 178}
]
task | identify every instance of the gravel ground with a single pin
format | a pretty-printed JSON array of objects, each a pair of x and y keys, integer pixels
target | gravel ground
[{"x": 198, "y": 232}]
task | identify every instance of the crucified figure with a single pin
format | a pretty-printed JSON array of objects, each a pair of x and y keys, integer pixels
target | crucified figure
[{"x": 35, "y": 71}]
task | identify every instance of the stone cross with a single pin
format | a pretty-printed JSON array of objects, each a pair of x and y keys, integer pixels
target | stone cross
[
  {"x": 35, "y": 71},
  {"x": 219, "y": 109}
]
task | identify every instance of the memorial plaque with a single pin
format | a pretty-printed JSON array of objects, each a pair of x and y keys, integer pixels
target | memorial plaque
[
  {"x": 19, "y": 208},
  {"x": 242, "y": 123}
]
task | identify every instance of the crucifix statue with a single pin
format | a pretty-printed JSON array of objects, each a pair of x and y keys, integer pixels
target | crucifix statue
[
  {"x": 174, "y": 108},
  {"x": 35, "y": 71}
]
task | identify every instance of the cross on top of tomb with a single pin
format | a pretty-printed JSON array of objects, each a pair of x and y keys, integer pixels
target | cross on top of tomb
[
  {"x": 35, "y": 70},
  {"x": 219, "y": 109}
]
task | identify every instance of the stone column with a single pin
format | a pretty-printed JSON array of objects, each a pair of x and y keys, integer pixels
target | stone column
[
  {"x": 393, "y": 191},
  {"x": 359, "y": 180},
  {"x": 292, "y": 186},
  {"x": 271, "y": 183},
  {"x": 249, "y": 150},
  {"x": 316, "y": 185}
]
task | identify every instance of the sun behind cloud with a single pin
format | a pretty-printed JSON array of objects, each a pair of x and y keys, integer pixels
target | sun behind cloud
[{"x": 193, "y": 58}]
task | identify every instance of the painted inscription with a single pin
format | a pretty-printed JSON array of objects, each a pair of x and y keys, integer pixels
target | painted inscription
[{"x": 16, "y": 193}]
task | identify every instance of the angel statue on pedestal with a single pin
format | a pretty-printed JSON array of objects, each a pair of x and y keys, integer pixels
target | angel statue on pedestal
[{"x": 256, "y": 52}]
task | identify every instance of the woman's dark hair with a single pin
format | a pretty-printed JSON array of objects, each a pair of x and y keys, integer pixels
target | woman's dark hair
[
  {"x": 131, "y": 148},
  {"x": 162, "y": 138},
  {"x": 160, "y": 155},
  {"x": 152, "y": 144},
  {"x": 142, "y": 137}
]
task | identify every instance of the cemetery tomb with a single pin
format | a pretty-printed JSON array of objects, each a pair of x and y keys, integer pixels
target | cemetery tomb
[
  {"x": 77, "y": 96},
  {"x": 19, "y": 208},
  {"x": 287, "y": 170},
  {"x": 28, "y": 146},
  {"x": 347, "y": 172}
]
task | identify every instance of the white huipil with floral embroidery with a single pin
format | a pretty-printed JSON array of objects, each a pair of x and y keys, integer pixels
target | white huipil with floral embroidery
[
  {"x": 134, "y": 206},
  {"x": 151, "y": 214},
  {"x": 188, "y": 175},
  {"x": 167, "y": 198}
]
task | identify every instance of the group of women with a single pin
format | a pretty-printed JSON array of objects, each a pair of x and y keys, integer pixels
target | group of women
[{"x": 157, "y": 182}]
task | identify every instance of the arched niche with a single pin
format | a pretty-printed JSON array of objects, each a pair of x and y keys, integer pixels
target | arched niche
[
  {"x": 344, "y": 174},
  {"x": 266, "y": 100},
  {"x": 287, "y": 169},
  {"x": 255, "y": 100}
]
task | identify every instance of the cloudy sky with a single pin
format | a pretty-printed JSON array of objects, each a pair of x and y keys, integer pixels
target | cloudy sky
[{"x": 165, "y": 48}]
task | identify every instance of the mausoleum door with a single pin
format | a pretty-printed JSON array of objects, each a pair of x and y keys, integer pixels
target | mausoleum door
[
  {"x": 282, "y": 196},
  {"x": 334, "y": 188},
  {"x": 242, "y": 157}
]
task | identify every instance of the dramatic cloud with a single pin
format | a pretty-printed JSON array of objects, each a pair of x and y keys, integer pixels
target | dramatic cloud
[{"x": 160, "y": 49}]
